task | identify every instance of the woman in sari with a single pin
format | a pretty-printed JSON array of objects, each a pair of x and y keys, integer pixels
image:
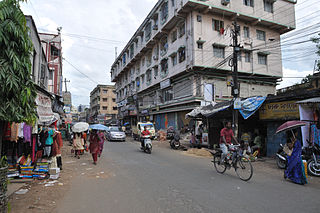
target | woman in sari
[
  {"x": 94, "y": 146},
  {"x": 101, "y": 142},
  {"x": 295, "y": 168}
]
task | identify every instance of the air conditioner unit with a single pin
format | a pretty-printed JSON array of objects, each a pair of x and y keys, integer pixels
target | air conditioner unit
[{"x": 225, "y": 2}]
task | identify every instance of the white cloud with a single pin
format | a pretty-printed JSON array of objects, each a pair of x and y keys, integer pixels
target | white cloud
[{"x": 294, "y": 76}]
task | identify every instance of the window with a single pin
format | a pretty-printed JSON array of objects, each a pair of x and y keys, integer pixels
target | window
[
  {"x": 137, "y": 82},
  {"x": 268, "y": 5},
  {"x": 124, "y": 59},
  {"x": 148, "y": 31},
  {"x": 262, "y": 59},
  {"x": 105, "y": 91},
  {"x": 182, "y": 29},
  {"x": 50, "y": 74},
  {"x": 115, "y": 108},
  {"x": 163, "y": 45},
  {"x": 113, "y": 100},
  {"x": 167, "y": 95},
  {"x": 148, "y": 63},
  {"x": 155, "y": 71},
  {"x": 246, "y": 32},
  {"x": 199, "y": 18},
  {"x": 164, "y": 12},
  {"x": 174, "y": 36},
  {"x": 131, "y": 51},
  {"x": 217, "y": 25},
  {"x": 143, "y": 61},
  {"x": 149, "y": 79},
  {"x": 164, "y": 67},
  {"x": 182, "y": 54},
  {"x": 172, "y": 3},
  {"x": 105, "y": 99},
  {"x": 218, "y": 52},
  {"x": 200, "y": 45},
  {"x": 142, "y": 79},
  {"x": 248, "y": 3},
  {"x": 261, "y": 35},
  {"x": 105, "y": 108},
  {"x": 247, "y": 57},
  {"x": 174, "y": 59}
]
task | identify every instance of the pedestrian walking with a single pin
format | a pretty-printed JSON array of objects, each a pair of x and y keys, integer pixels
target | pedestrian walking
[
  {"x": 78, "y": 144},
  {"x": 101, "y": 142},
  {"x": 295, "y": 169},
  {"x": 94, "y": 146}
]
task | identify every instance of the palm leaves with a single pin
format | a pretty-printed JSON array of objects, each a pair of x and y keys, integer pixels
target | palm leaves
[{"x": 17, "y": 91}]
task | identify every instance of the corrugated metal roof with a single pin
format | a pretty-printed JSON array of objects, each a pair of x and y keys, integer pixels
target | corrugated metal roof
[{"x": 310, "y": 100}]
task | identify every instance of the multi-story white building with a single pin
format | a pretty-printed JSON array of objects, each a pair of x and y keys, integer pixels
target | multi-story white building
[{"x": 181, "y": 53}]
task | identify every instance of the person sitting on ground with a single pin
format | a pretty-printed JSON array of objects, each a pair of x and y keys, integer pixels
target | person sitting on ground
[{"x": 145, "y": 132}]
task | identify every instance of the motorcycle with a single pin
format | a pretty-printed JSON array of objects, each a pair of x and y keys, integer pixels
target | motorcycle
[
  {"x": 281, "y": 158},
  {"x": 170, "y": 133},
  {"x": 175, "y": 141},
  {"x": 147, "y": 144},
  {"x": 313, "y": 164}
]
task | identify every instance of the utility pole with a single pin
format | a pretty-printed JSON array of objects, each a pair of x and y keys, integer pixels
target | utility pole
[
  {"x": 65, "y": 81},
  {"x": 235, "y": 88}
]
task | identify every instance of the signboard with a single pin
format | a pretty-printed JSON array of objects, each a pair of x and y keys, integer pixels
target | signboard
[
  {"x": 67, "y": 109},
  {"x": 237, "y": 103},
  {"x": 279, "y": 110},
  {"x": 133, "y": 112},
  {"x": 44, "y": 109},
  {"x": 164, "y": 84}
]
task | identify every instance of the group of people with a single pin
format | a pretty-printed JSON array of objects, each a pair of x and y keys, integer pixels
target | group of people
[
  {"x": 96, "y": 140},
  {"x": 294, "y": 169}
]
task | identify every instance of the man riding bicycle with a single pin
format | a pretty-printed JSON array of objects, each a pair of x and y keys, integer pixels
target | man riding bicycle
[
  {"x": 145, "y": 132},
  {"x": 226, "y": 136}
]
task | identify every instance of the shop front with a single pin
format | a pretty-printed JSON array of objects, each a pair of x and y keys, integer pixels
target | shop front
[{"x": 273, "y": 114}]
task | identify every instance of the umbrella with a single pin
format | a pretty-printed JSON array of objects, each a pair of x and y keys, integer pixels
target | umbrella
[
  {"x": 290, "y": 125},
  {"x": 126, "y": 124},
  {"x": 80, "y": 127},
  {"x": 99, "y": 127}
]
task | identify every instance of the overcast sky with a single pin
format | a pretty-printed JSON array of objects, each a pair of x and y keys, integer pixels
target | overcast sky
[{"x": 92, "y": 29}]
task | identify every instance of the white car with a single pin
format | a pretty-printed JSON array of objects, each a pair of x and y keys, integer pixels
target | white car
[{"x": 116, "y": 134}]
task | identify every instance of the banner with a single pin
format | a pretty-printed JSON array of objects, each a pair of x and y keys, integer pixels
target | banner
[{"x": 44, "y": 109}]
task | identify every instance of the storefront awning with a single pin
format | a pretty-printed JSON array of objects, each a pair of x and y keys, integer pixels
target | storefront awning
[
  {"x": 310, "y": 101},
  {"x": 209, "y": 110}
]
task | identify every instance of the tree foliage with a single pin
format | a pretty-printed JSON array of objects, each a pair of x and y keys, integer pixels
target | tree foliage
[
  {"x": 17, "y": 90},
  {"x": 316, "y": 40}
]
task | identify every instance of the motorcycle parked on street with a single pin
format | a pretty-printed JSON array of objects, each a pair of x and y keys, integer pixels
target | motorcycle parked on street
[
  {"x": 281, "y": 158},
  {"x": 170, "y": 133},
  {"x": 147, "y": 148},
  {"x": 175, "y": 141},
  {"x": 313, "y": 164}
]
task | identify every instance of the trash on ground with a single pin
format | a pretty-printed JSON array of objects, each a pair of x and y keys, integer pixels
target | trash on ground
[{"x": 22, "y": 191}]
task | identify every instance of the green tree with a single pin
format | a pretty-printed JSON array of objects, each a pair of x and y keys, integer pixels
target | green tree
[
  {"x": 17, "y": 90},
  {"x": 316, "y": 40}
]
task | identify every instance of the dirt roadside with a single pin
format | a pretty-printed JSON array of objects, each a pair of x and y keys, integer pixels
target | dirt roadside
[{"x": 43, "y": 195}]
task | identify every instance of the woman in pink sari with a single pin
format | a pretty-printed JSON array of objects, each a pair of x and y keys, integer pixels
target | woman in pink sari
[
  {"x": 101, "y": 142},
  {"x": 94, "y": 146}
]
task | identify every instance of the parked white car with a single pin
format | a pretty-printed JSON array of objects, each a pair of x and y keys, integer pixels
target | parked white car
[{"x": 116, "y": 134}]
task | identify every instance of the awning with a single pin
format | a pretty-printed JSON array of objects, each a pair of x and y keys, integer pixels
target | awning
[
  {"x": 250, "y": 105},
  {"x": 310, "y": 101},
  {"x": 209, "y": 110}
]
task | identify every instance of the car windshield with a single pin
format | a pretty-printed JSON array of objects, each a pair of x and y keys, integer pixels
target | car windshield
[
  {"x": 149, "y": 126},
  {"x": 114, "y": 129}
]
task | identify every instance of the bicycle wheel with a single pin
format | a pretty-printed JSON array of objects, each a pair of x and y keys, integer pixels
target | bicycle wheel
[
  {"x": 244, "y": 168},
  {"x": 220, "y": 167}
]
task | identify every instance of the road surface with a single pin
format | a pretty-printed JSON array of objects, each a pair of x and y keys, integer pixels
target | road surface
[{"x": 128, "y": 180}]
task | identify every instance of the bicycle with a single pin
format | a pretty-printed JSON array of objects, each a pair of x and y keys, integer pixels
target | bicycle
[{"x": 241, "y": 164}]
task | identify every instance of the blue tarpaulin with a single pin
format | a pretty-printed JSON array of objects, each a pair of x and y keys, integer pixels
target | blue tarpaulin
[{"x": 250, "y": 105}]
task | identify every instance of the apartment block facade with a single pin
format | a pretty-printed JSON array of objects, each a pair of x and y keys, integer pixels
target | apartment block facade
[
  {"x": 103, "y": 105},
  {"x": 180, "y": 56}
]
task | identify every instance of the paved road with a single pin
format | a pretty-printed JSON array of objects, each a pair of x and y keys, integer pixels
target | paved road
[{"x": 128, "y": 180}]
